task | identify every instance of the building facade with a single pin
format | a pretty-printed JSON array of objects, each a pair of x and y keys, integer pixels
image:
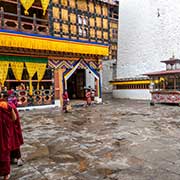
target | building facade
[
  {"x": 110, "y": 63},
  {"x": 48, "y": 46},
  {"x": 149, "y": 33}
]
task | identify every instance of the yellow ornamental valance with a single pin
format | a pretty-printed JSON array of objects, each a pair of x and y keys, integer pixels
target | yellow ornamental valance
[
  {"x": 26, "y": 4},
  {"x": 41, "y": 68},
  {"x": 17, "y": 68},
  {"x": 31, "y": 68},
  {"x": 4, "y": 65},
  {"x": 44, "y": 4},
  {"x": 51, "y": 44}
]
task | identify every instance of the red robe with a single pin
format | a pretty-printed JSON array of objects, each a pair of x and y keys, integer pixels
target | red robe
[
  {"x": 88, "y": 97},
  {"x": 65, "y": 101},
  {"x": 6, "y": 133},
  {"x": 17, "y": 139}
]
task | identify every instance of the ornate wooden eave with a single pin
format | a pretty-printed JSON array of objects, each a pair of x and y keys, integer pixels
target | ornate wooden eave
[
  {"x": 46, "y": 54},
  {"x": 50, "y": 44}
]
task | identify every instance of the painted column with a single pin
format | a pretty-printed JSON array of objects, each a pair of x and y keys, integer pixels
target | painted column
[
  {"x": 58, "y": 86},
  {"x": 61, "y": 71},
  {"x": 98, "y": 96}
]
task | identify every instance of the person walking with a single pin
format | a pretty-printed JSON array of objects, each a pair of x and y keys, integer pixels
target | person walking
[
  {"x": 88, "y": 97},
  {"x": 65, "y": 101}
]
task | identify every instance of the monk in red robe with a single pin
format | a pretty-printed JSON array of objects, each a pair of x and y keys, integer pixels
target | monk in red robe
[
  {"x": 88, "y": 97},
  {"x": 65, "y": 101},
  {"x": 17, "y": 140},
  {"x": 7, "y": 116}
]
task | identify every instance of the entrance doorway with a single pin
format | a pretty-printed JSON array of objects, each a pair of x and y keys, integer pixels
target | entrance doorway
[{"x": 76, "y": 84}]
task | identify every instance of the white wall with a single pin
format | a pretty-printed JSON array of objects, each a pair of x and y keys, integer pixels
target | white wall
[
  {"x": 90, "y": 80},
  {"x": 144, "y": 38},
  {"x": 132, "y": 94},
  {"x": 107, "y": 75}
]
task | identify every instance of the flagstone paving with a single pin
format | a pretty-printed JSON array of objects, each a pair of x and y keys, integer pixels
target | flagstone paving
[{"x": 117, "y": 140}]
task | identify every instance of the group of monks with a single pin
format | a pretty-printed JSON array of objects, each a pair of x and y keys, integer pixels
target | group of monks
[
  {"x": 66, "y": 99},
  {"x": 10, "y": 135}
]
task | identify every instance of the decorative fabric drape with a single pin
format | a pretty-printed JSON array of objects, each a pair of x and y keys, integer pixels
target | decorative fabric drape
[
  {"x": 41, "y": 68},
  {"x": 44, "y": 4},
  {"x": 17, "y": 68},
  {"x": 41, "y": 43},
  {"x": 162, "y": 79},
  {"x": 27, "y": 4},
  {"x": 3, "y": 71},
  {"x": 31, "y": 68}
]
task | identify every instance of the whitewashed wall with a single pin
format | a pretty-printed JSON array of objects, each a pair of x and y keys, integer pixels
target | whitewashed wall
[
  {"x": 132, "y": 94},
  {"x": 146, "y": 39},
  {"x": 107, "y": 75},
  {"x": 90, "y": 80}
]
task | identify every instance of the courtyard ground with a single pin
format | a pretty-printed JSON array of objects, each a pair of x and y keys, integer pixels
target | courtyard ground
[{"x": 117, "y": 140}]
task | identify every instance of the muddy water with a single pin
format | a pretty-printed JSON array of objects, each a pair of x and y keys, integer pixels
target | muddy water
[{"x": 117, "y": 140}]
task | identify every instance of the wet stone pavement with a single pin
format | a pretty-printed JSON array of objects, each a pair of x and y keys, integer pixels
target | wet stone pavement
[{"x": 117, "y": 140}]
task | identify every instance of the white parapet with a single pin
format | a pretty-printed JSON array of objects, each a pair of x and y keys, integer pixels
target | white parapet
[
  {"x": 56, "y": 104},
  {"x": 97, "y": 100},
  {"x": 143, "y": 94}
]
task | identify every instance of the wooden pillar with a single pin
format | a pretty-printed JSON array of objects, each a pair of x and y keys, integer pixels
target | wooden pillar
[
  {"x": 77, "y": 23},
  {"x": 95, "y": 20},
  {"x": 69, "y": 20},
  {"x": 96, "y": 87},
  {"x": 19, "y": 14},
  {"x": 61, "y": 71},
  {"x": 174, "y": 82},
  {"x": 164, "y": 85},
  {"x": 56, "y": 84},
  {"x": 50, "y": 18},
  {"x": 58, "y": 73}
]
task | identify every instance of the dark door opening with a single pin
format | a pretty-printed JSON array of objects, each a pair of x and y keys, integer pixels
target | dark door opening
[{"x": 75, "y": 85}]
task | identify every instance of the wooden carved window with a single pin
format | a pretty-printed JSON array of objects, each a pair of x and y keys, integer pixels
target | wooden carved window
[{"x": 82, "y": 21}]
